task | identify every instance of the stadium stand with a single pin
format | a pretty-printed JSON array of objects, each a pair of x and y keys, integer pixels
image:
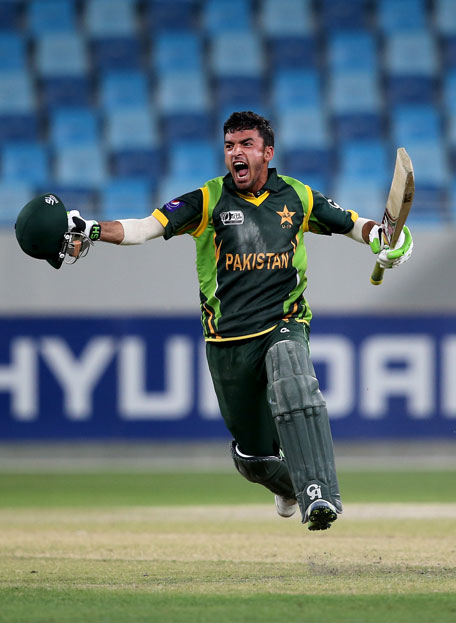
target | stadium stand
[{"x": 108, "y": 94}]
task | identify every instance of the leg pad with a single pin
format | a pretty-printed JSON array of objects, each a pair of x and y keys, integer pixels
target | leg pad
[
  {"x": 270, "y": 471},
  {"x": 300, "y": 414}
]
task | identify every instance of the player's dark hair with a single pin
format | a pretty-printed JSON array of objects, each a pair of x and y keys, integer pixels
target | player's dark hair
[{"x": 248, "y": 120}]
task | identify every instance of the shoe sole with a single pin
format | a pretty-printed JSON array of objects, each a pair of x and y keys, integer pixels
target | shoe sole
[{"x": 321, "y": 518}]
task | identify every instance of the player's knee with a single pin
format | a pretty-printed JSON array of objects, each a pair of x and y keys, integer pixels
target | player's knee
[{"x": 292, "y": 384}]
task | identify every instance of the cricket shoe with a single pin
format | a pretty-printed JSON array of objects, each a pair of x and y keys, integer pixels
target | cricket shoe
[
  {"x": 286, "y": 507},
  {"x": 320, "y": 515}
]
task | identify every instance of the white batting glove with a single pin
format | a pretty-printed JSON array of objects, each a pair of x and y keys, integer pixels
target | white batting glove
[
  {"x": 78, "y": 224},
  {"x": 390, "y": 258}
]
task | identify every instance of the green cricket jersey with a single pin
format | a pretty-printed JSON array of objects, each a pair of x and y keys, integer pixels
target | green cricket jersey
[{"x": 250, "y": 254}]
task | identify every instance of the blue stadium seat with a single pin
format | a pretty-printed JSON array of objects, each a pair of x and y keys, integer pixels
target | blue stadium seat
[
  {"x": 171, "y": 187},
  {"x": 303, "y": 143},
  {"x": 415, "y": 123},
  {"x": 411, "y": 67},
  {"x": 340, "y": 14},
  {"x": 108, "y": 18},
  {"x": 131, "y": 127},
  {"x": 184, "y": 105},
  {"x": 295, "y": 88},
  {"x": 133, "y": 143},
  {"x": 116, "y": 53},
  {"x": 445, "y": 23},
  {"x": 239, "y": 93},
  {"x": 16, "y": 92},
  {"x": 119, "y": 89},
  {"x": 76, "y": 197},
  {"x": 366, "y": 160},
  {"x": 25, "y": 162},
  {"x": 394, "y": 16},
  {"x": 73, "y": 126},
  {"x": 224, "y": 55},
  {"x": 62, "y": 64},
  {"x": 12, "y": 52},
  {"x": 445, "y": 17},
  {"x": 50, "y": 16},
  {"x": 288, "y": 28},
  {"x": 352, "y": 50},
  {"x": 125, "y": 198},
  {"x": 354, "y": 102},
  {"x": 10, "y": 15},
  {"x": 171, "y": 14},
  {"x": 369, "y": 196},
  {"x": 111, "y": 27},
  {"x": 286, "y": 18},
  {"x": 80, "y": 166},
  {"x": 227, "y": 16},
  {"x": 178, "y": 50},
  {"x": 18, "y": 126},
  {"x": 195, "y": 158},
  {"x": 13, "y": 197},
  {"x": 61, "y": 54},
  {"x": 449, "y": 91},
  {"x": 432, "y": 180}
]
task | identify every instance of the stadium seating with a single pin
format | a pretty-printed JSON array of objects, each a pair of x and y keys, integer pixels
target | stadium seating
[
  {"x": 394, "y": 16},
  {"x": 12, "y": 52},
  {"x": 123, "y": 198},
  {"x": 73, "y": 126},
  {"x": 50, "y": 16},
  {"x": 355, "y": 104},
  {"x": 12, "y": 195},
  {"x": 411, "y": 63},
  {"x": 25, "y": 162},
  {"x": 136, "y": 92}
]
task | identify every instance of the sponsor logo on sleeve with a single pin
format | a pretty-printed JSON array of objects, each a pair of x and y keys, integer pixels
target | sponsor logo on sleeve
[{"x": 174, "y": 205}]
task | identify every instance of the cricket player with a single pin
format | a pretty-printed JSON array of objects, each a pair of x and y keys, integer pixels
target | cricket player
[{"x": 249, "y": 229}]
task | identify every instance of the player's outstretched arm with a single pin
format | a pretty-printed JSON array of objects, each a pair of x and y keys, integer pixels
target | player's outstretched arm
[{"x": 125, "y": 231}]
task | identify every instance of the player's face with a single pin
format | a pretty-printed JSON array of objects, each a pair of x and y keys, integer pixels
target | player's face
[{"x": 247, "y": 159}]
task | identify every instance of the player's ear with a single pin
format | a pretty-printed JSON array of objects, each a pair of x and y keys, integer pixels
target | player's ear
[{"x": 268, "y": 153}]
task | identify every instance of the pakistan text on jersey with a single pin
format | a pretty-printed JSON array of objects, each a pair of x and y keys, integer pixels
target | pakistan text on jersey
[{"x": 256, "y": 261}]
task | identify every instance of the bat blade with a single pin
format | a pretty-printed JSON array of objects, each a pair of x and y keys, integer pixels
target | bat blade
[{"x": 398, "y": 205}]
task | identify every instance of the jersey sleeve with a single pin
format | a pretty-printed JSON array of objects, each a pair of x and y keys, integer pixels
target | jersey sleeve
[
  {"x": 182, "y": 215},
  {"x": 327, "y": 217}
]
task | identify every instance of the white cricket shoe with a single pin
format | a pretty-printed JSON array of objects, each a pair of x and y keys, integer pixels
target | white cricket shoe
[{"x": 285, "y": 507}]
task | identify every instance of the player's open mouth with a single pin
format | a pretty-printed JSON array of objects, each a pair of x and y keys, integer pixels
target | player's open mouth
[{"x": 241, "y": 168}]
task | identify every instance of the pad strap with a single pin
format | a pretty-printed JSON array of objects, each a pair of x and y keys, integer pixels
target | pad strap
[{"x": 269, "y": 471}]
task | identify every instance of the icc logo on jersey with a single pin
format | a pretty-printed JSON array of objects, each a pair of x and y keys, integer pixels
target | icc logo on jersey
[{"x": 232, "y": 217}]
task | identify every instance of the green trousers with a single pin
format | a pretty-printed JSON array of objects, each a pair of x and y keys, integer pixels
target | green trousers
[{"x": 238, "y": 372}]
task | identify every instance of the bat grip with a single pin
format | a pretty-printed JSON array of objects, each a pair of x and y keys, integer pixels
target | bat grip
[{"x": 377, "y": 275}]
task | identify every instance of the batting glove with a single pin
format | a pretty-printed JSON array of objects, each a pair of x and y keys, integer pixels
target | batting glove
[
  {"x": 76, "y": 223},
  {"x": 390, "y": 258}
]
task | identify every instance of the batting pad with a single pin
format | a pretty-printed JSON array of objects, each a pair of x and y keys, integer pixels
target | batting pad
[
  {"x": 270, "y": 471},
  {"x": 300, "y": 414}
]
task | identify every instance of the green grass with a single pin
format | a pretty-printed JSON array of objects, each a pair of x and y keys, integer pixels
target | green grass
[
  {"x": 121, "y": 607},
  {"x": 111, "y": 489},
  {"x": 208, "y": 548}
]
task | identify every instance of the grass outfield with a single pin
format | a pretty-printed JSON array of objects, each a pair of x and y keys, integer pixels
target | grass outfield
[{"x": 210, "y": 548}]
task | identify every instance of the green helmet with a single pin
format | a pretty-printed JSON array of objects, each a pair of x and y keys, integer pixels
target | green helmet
[{"x": 42, "y": 232}]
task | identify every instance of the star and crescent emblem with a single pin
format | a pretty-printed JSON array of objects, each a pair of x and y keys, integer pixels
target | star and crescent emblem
[{"x": 286, "y": 216}]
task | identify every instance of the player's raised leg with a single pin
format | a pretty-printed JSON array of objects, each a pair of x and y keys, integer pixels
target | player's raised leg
[{"x": 300, "y": 414}]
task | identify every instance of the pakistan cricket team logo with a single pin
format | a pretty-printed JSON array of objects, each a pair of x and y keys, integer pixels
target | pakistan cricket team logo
[{"x": 286, "y": 217}]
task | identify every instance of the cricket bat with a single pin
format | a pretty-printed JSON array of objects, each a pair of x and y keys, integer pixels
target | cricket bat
[{"x": 398, "y": 206}]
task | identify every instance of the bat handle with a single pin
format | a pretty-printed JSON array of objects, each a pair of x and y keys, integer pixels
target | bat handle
[{"x": 377, "y": 275}]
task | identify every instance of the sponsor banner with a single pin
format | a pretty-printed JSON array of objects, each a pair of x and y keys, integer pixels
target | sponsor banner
[{"x": 147, "y": 377}]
